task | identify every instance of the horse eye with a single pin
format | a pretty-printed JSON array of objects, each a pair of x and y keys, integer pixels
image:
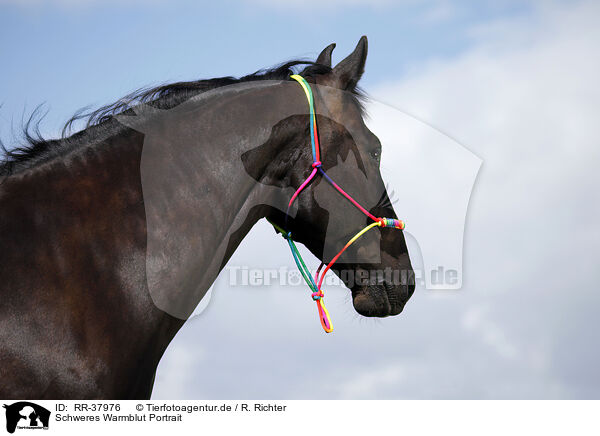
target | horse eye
[{"x": 375, "y": 154}]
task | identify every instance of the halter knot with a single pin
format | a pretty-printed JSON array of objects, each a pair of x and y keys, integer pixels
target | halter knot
[
  {"x": 391, "y": 222},
  {"x": 316, "y": 164},
  {"x": 317, "y": 295}
]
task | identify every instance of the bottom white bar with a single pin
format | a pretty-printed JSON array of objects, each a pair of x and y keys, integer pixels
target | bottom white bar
[{"x": 304, "y": 417}]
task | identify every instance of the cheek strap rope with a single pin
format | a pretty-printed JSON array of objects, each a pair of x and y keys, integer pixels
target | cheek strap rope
[{"x": 315, "y": 283}]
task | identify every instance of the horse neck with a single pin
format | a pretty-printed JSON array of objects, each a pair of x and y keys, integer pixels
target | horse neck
[{"x": 201, "y": 197}]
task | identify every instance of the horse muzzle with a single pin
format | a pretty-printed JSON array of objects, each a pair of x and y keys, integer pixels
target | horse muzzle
[{"x": 381, "y": 299}]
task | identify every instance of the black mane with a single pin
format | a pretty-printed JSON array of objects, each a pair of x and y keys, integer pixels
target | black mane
[{"x": 101, "y": 123}]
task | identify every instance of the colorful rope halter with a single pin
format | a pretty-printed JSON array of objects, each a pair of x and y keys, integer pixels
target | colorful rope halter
[{"x": 315, "y": 283}]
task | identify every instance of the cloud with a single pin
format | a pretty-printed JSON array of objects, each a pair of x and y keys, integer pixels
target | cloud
[
  {"x": 368, "y": 384},
  {"x": 476, "y": 320},
  {"x": 176, "y": 371}
]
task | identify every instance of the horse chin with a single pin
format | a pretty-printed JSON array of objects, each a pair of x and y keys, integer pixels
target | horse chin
[{"x": 379, "y": 300}]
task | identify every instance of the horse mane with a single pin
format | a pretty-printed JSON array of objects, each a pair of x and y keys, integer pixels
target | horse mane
[{"x": 101, "y": 123}]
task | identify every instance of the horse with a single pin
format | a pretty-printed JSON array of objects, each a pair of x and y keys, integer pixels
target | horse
[{"x": 109, "y": 238}]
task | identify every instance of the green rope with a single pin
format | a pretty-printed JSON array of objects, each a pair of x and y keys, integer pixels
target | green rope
[{"x": 297, "y": 257}]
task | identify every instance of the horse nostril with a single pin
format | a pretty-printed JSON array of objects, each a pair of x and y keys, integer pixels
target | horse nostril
[
  {"x": 396, "y": 309},
  {"x": 367, "y": 304}
]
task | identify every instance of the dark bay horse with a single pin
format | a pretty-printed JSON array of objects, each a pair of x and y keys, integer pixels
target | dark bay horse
[{"x": 109, "y": 237}]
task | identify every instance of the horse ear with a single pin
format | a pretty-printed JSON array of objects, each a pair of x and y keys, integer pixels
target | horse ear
[
  {"x": 325, "y": 57},
  {"x": 348, "y": 72}
]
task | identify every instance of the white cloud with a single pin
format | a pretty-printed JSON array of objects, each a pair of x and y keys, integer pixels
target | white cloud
[
  {"x": 368, "y": 384},
  {"x": 476, "y": 320},
  {"x": 176, "y": 370}
]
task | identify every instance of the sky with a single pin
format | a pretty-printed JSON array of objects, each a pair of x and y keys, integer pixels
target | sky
[{"x": 514, "y": 83}]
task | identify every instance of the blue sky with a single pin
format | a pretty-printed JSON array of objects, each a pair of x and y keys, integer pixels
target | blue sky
[
  {"x": 514, "y": 82},
  {"x": 70, "y": 54}
]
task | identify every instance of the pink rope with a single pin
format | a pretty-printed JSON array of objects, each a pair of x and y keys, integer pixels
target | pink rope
[
  {"x": 337, "y": 256},
  {"x": 354, "y": 202},
  {"x": 302, "y": 186},
  {"x": 317, "y": 273}
]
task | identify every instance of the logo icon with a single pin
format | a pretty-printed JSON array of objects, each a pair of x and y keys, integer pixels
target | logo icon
[{"x": 26, "y": 415}]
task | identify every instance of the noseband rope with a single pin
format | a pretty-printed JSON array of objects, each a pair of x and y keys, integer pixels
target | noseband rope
[{"x": 315, "y": 283}]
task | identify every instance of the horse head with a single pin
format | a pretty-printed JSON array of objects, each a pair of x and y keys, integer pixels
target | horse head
[{"x": 377, "y": 268}]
